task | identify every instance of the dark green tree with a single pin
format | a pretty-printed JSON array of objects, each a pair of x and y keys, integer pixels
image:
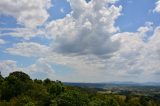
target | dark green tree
[
  {"x": 72, "y": 98},
  {"x": 20, "y": 75}
]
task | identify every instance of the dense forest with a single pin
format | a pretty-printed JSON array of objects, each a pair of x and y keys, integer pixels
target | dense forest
[{"x": 18, "y": 89}]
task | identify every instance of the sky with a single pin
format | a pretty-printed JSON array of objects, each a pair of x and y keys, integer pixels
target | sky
[{"x": 81, "y": 41}]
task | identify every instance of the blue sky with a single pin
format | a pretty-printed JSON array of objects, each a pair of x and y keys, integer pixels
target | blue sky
[
  {"x": 79, "y": 41},
  {"x": 136, "y": 13}
]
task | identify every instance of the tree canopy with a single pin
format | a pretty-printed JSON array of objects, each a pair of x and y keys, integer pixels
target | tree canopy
[{"x": 18, "y": 89}]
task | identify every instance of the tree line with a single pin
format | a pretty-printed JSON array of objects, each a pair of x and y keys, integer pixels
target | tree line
[{"x": 18, "y": 89}]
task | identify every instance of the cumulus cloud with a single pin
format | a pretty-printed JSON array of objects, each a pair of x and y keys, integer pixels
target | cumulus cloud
[
  {"x": 88, "y": 67},
  {"x": 87, "y": 41},
  {"x": 28, "y": 49},
  {"x": 153, "y": 45},
  {"x": 41, "y": 70},
  {"x": 87, "y": 29},
  {"x": 8, "y": 66},
  {"x": 137, "y": 58},
  {"x": 157, "y": 8},
  {"x": 134, "y": 59},
  {"x": 31, "y": 13}
]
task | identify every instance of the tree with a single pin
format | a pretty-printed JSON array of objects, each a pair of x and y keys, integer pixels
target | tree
[
  {"x": 22, "y": 100},
  {"x": 12, "y": 87},
  {"x": 1, "y": 78},
  {"x": 20, "y": 75},
  {"x": 47, "y": 82},
  {"x": 134, "y": 101},
  {"x": 38, "y": 81},
  {"x": 15, "y": 84},
  {"x": 72, "y": 98}
]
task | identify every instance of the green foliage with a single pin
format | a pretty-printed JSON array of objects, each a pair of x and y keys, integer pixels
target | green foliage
[
  {"x": 103, "y": 100},
  {"x": 134, "y": 101},
  {"x": 19, "y": 90},
  {"x": 38, "y": 81},
  {"x": 22, "y": 100},
  {"x": 20, "y": 75},
  {"x": 12, "y": 86},
  {"x": 72, "y": 98},
  {"x": 1, "y": 79}
]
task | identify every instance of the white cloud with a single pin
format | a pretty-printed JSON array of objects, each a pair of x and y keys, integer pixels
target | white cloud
[
  {"x": 157, "y": 8},
  {"x": 2, "y": 42},
  {"x": 87, "y": 29},
  {"x": 82, "y": 66},
  {"x": 28, "y": 49},
  {"x": 137, "y": 59},
  {"x": 25, "y": 33},
  {"x": 8, "y": 66},
  {"x": 101, "y": 52},
  {"x": 31, "y": 13},
  {"x": 153, "y": 46},
  {"x": 41, "y": 70}
]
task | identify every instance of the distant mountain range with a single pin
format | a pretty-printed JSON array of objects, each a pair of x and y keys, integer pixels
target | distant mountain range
[{"x": 111, "y": 84}]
